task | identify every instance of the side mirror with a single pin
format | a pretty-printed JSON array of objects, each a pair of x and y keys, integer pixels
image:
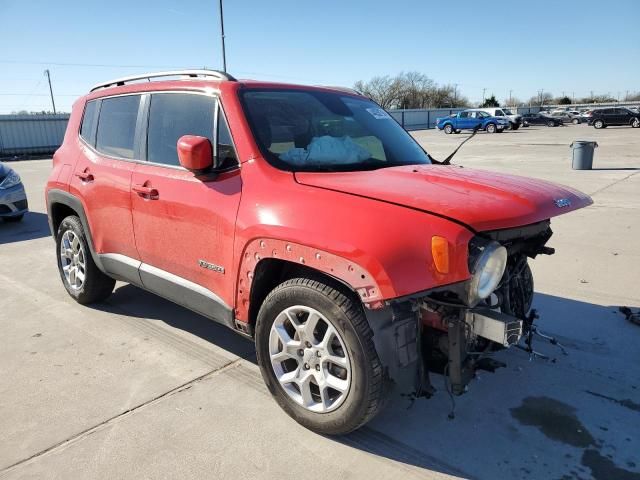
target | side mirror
[{"x": 195, "y": 153}]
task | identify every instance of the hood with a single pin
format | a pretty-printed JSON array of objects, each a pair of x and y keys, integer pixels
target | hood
[{"x": 479, "y": 199}]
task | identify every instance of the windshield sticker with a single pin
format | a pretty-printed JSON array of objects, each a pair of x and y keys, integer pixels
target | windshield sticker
[{"x": 378, "y": 113}]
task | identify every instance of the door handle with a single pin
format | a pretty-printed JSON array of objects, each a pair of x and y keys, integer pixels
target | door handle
[
  {"x": 85, "y": 176},
  {"x": 146, "y": 192}
]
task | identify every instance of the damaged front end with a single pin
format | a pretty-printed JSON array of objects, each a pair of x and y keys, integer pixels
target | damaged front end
[{"x": 452, "y": 330}]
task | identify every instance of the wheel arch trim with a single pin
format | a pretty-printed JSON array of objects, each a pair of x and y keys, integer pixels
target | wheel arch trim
[
  {"x": 60, "y": 197},
  {"x": 343, "y": 270}
]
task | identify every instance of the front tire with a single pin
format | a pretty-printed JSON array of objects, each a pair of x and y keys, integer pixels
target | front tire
[
  {"x": 551, "y": 123},
  {"x": 598, "y": 124},
  {"x": 448, "y": 129},
  {"x": 575, "y": 121},
  {"x": 515, "y": 126},
  {"x": 491, "y": 128},
  {"x": 80, "y": 276},
  {"x": 317, "y": 356}
]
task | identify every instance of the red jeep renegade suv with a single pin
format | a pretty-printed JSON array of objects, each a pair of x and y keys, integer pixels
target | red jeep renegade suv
[{"x": 305, "y": 218}]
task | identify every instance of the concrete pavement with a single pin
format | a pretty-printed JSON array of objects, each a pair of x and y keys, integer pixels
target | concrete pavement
[{"x": 137, "y": 386}]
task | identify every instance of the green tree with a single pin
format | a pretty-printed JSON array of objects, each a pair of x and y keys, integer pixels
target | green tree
[
  {"x": 564, "y": 101},
  {"x": 490, "y": 102}
]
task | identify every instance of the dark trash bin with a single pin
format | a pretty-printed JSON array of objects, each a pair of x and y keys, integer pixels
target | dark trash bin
[{"x": 583, "y": 154}]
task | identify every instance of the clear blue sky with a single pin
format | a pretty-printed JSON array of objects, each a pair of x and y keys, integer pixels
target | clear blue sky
[{"x": 559, "y": 46}]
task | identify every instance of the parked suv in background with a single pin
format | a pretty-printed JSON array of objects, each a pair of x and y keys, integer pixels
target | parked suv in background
[
  {"x": 307, "y": 219},
  {"x": 514, "y": 120},
  {"x": 603, "y": 117}
]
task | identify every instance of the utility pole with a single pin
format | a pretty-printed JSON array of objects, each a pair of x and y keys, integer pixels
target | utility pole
[
  {"x": 46, "y": 72},
  {"x": 483, "y": 90},
  {"x": 626, "y": 96},
  {"x": 540, "y": 92},
  {"x": 510, "y": 91},
  {"x": 573, "y": 98},
  {"x": 455, "y": 94},
  {"x": 224, "y": 54}
]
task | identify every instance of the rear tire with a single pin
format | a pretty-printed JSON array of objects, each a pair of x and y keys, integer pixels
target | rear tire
[
  {"x": 551, "y": 123},
  {"x": 635, "y": 122},
  {"x": 491, "y": 128},
  {"x": 515, "y": 126},
  {"x": 575, "y": 121},
  {"x": 80, "y": 276},
  {"x": 598, "y": 124},
  {"x": 13, "y": 219},
  {"x": 343, "y": 316},
  {"x": 448, "y": 129}
]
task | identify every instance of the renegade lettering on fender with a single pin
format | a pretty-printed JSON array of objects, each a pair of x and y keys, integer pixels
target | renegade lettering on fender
[{"x": 211, "y": 266}]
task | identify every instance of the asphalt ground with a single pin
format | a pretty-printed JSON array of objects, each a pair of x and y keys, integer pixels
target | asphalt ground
[{"x": 139, "y": 387}]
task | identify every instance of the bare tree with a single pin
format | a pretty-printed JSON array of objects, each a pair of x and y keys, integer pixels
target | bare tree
[{"x": 410, "y": 90}]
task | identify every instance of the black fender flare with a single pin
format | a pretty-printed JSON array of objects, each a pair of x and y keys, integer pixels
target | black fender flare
[{"x": 56, "y": 196}]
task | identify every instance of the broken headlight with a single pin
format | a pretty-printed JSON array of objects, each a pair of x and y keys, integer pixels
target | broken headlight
[{"x": 487, "y": 261}]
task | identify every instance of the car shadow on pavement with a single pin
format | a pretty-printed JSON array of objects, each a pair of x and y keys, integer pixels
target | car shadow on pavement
[
  {"x": 33, "y": 225},
  {"x": 573, "y": 416},
  {"x": 135, "y": 302}
]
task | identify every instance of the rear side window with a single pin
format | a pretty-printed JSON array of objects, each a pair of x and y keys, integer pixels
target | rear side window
[
  {"x": 117, "y": 126},
  {"x": 88, "y": 122},
  {"x": 172, "y": 115}
]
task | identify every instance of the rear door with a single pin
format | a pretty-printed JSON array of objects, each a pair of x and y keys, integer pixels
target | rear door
[
  {"x": 184, "y": 228},
  {"x": 102, "y": 176},
  {"x": 464, "y": 120}
]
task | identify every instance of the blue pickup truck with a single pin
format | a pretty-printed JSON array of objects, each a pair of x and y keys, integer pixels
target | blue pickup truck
[{"x": 469, "y": 120}]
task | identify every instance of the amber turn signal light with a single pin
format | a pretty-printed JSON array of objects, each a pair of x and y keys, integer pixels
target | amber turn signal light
[{"x": 440, "y": 253}]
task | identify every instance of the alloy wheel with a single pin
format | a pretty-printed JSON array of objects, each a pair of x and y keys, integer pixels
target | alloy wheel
[
  {"x": 309, "y": 359},
  {"x": 72, "y": 259}
]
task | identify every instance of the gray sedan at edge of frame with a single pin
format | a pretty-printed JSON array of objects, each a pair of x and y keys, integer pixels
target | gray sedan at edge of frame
[{"x": 13, "y": 198}]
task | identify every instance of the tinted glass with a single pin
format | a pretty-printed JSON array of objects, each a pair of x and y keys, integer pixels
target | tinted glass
[
  {"x": 226, "y": 153},
  {"x": 464, "y": 114},
  {"x": 499, "y": 113},
  {"x": 88, "y": 121},
  {"x": 172, "y": 115},
  {"x": 117, "y": 126},
  {"x": 311, "y": 130}
]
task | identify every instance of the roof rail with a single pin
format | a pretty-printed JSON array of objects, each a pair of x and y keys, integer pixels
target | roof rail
[
  {"x": 171, "y": 73},
  {"x": 343, "y": 89}
]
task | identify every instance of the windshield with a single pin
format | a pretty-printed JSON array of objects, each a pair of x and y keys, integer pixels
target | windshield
[
  {"x": 313, "y": 131},
  {"x": 507, "y": 111}
]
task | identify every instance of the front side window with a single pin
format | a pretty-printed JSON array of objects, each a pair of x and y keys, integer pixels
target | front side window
[
  {"x": 464, "y": 114},
  {"x": 482, "y": 115},
  {"x": 88, "y": 121},
  {"x": 499, "y": 113},
  {"x": 117, "y": 126},
  {"x": 507, "y": 112},
  {"x": 172, "y": 115},
  {"x": 311, "y": 130}
]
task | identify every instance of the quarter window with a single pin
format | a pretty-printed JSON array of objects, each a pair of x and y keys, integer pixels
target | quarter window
[
  {"x": 117, "y": 126},
  {"x": 88, "y": 122},
  {"x": 172, "y": 115},
  {"x": 226, "y": 153}
]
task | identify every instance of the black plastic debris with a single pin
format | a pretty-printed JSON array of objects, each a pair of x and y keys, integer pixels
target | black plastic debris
[{"x": 633, "y": 317}]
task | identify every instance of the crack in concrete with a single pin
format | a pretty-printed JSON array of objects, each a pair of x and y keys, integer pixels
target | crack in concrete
[
  {"x": 91, "y": 430},
  {"x": 614, "y": 183}
]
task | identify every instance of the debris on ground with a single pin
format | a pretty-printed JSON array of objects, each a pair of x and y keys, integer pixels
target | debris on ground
[{"x": 630, "y": 315}]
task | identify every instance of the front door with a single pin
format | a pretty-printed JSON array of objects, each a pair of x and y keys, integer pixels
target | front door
[{"x": 184, "y": 226}]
